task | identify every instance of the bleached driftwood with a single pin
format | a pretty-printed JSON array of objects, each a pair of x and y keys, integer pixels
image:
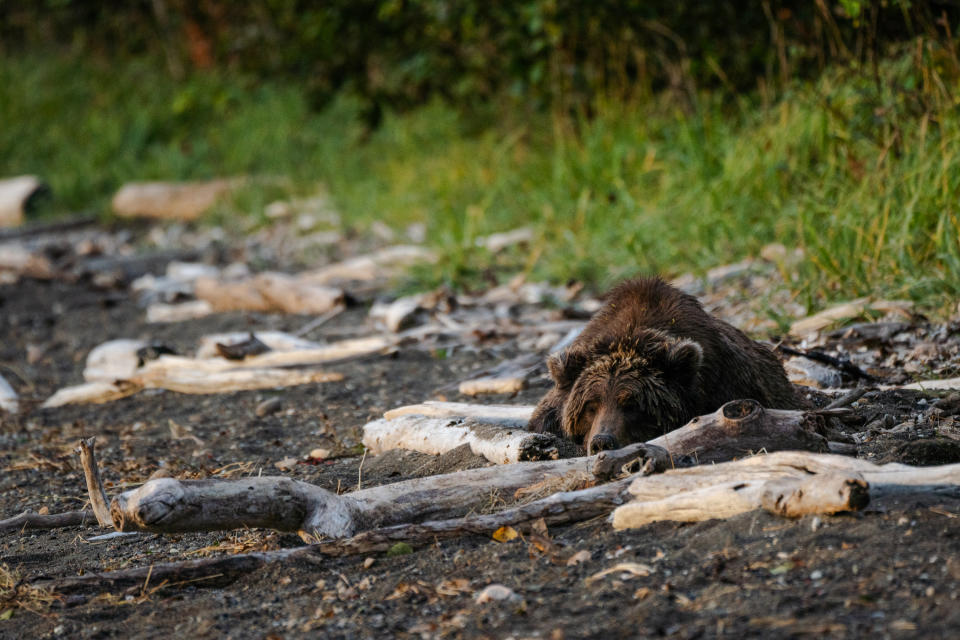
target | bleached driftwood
[
  {"x": 15, "y": 194},
  {"x": 382, "y": 263},
  {"x": 113, "y": 360},
  {"x": 218, "y": 375},
  {"x": 399, "y": 314},
  {"x": 512, "y": 415},
  {"x": 508, "y": 377},
  {"x": 738, "y": 428},
  {"x": 742, "y": 427},
  {"x": 9, "y": 401},
  {"x": 205, "y": 382},
  {"x": 495, "y": 441},
  {"x": 169, "y": 200},
  {"x": 927, "y": 385},
  {"x": 198, "y": 380},
  {"x": 271, "y": 291},
  {"x": 275, "y": 340},
  {"x": 191, "y": 309},
  {"x": 846, "y": 311},
  {"x": 91, "y": 393},
  {"x": 169, "y": 505},
  {"x": 787, "y": 483}
]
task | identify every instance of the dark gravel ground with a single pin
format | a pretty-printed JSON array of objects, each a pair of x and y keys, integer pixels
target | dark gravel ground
[{"x": 892, "y": 570}]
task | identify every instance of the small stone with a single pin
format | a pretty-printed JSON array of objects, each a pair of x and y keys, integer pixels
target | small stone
[
  {"x": 808, "y": 373},
  {"x": 816, "y": 575},
  {"x": 496, "y": 593},
  {"x": 320, "y": 453},
  {"x": 286, "y": 464},
  {"x": 579, "y": 557},
  {"x": 368, "y": 563},
  {"x": 268, "y": 406}
]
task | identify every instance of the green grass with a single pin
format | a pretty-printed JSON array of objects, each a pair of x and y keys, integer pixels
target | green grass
[{"x": 862, "y": 175}]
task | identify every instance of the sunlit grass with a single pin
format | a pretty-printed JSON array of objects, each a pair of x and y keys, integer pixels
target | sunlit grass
[{"x": 862, "y": 176}]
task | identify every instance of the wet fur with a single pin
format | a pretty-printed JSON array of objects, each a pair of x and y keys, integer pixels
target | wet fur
[{"x": 649, "y": 361}]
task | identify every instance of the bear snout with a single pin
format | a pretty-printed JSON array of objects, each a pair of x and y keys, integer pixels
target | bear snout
[{"x": 600, "y": 443}]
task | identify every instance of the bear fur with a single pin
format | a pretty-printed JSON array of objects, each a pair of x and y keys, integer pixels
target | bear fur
[{"x": 649, "y": 361}]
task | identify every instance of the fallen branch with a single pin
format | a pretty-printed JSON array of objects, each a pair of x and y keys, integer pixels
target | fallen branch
[
  {"x": 494, "y": 441},
  {"x": 28, "y": 520},
  {"x": 513, "y": 415},
  {"x": 508, "y": 377},
  {"x": 167, "y": 505},
  {"x": 382, "y": 263},
  {"x": 15, "y": 196},
  {"x": 91, "y": 472},
  {"x": 787, "y": 483},
  {"x": 169, "y": 200},
  {"x": 557, "y": 509},
  {"x": 743, "y": 427},
  {"x": 843, "y": 364},
  {"x": 199, "y": 380}
]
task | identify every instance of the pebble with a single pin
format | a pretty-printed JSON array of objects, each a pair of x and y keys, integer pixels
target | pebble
[
  {"x": 498, "y": 593},
  {"x": 268, "y": 406},
  {"x": 579, "y": 557}
]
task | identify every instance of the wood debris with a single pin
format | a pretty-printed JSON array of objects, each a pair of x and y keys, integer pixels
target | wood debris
[
  {"x": 9, "y": 401},
  {"x": 499, "y": 443},
  {"x": 15, "y": 196},
  {"x": 846, "y": 311},
  {"x": 170, "y": 200}
]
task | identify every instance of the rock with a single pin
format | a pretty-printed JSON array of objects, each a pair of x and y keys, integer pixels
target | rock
[
  {"x": 496, "y": 593},
  {"x": 320, "y": 453},
  {"x": 808, "y": 373},
  {"x": 286, "y": 464},
  {"x": 268, "y": 407}
]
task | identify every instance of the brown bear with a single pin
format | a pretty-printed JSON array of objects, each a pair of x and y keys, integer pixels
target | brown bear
[{"x": 649, "y": 361}]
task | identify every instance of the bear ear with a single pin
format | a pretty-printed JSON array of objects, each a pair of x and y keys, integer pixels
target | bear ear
[
  {"x": 565, "y": 367},
  {"x": 683, "y": 360}
]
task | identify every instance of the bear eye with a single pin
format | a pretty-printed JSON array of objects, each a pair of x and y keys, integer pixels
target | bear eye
[{"x": 589, "y": 411}]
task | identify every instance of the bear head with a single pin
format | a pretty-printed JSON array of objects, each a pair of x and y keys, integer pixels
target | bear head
[{"x": 623, "y": 390}]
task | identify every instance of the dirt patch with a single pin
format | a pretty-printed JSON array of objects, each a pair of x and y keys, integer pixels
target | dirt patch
[{"x": 891, "y": 570}]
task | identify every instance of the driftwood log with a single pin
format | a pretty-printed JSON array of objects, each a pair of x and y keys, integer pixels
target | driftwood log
[
  {"x": 169, "y": 505},
  {"x": 787, "y": 483},
  {"x": 15, "y": 196},
  {"x": 208, "y": 375},
  {"x": 557, "y": 509},
  {"x": 738, "y": 428},
  {"x": 28, "y": 520},
  {"x": 743, "y": 427},
  {"x": 495, "y": 441},
  {"x": 170, "y": 200}
]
